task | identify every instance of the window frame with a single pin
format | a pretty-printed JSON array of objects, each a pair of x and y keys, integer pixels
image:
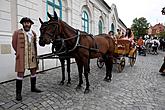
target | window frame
[
  {"x": 100, "y": 25},
  {"x": 112, "y": 27},
  {"x": 55, "y": 6},
  {"x": 85, "y": 21}
]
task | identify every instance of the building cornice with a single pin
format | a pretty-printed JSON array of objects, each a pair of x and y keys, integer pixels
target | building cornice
[{"x": 107, "y": 7}]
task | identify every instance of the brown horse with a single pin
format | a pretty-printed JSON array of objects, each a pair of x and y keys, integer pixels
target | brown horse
[
  {"x": 56, "y": 45},
  {"x": 79, "y": 45}
]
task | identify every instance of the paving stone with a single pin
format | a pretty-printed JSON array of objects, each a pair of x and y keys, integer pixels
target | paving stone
[
  {"x": 140, "y": 87},
  {"x": 8, "y": 105},
  {"x": 16, "y": 106},
  {"x": 2, "y": 103}
]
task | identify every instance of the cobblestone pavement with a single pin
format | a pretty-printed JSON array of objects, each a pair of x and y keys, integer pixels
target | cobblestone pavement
[{"x": 140, "y": 87}]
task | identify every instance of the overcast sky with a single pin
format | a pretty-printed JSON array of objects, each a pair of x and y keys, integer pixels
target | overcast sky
[{"x": 130, "y": 9}]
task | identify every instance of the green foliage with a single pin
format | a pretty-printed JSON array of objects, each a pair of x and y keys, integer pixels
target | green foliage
[
  {"x": 140, "y": 26},
  {"x": 162, "y": 34}
]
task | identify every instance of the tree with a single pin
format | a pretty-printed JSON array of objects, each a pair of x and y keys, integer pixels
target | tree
[
  {"x": 140, "y": 27},
  {"x": 162, "y": 34}
]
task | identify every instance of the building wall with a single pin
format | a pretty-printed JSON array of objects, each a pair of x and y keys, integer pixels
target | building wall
[
  {"x": 6, "y": 53},
  {"x": 156, "y": 29},
  {"x": 11, "y": 11},
  {"x": 115, "y": 20}
]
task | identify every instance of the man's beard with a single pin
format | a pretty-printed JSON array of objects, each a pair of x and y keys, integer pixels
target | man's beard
[{"x": 26, "y": 28}]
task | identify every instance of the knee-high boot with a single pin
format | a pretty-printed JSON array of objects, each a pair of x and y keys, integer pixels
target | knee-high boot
[
  {"x": 33, "y": 85},
  {"x": 18, "y": 89}
]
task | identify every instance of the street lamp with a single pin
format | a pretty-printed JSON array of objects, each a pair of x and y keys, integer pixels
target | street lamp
[{"x": 163, "y": 11}]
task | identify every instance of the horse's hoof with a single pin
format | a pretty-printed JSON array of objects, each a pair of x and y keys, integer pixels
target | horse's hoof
[
  {"x": 86, "y": 91},
  {"x": 107, "y": 79},
  {"x": 68, "y": 83},
  {"x": 78, "y": 87},
  {"x": 61, "y": 83}
]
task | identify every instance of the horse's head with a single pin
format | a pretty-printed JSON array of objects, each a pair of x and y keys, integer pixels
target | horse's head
[{"x": 50, "y": 30}]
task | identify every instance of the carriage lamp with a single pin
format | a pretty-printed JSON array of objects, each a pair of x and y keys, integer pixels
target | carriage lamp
[{"x": 163, "y": 11}]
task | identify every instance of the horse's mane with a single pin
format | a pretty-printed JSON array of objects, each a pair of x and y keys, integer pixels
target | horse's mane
[
  {"x": 103, "y": 34},
  {"x": 73, "y": 29},
  {"x": 68, "y": 26}
]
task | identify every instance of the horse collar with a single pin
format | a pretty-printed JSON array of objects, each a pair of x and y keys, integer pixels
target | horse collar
[{"x": 63, "y": 44}]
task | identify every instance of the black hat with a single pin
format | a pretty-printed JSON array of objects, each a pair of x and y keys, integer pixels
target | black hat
[
  {"x": 26, "y": 19},
  {"x": 118, "y": 29}
]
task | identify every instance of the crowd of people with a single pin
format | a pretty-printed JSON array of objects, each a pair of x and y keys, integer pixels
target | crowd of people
[{"x": 120, "y": 35}]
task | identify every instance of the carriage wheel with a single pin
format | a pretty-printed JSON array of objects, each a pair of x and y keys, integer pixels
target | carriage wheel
[
  {"x": 133, "y": 59},
  {"x": 100, "y": 62},
  {"x": 121, "y": 65}
]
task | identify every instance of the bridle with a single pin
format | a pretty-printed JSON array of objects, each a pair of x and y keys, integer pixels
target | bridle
[
  {"x": 52, "y": 35},
  {"x": 57, "y": 38},
  {"x": 64, "y": 49}
]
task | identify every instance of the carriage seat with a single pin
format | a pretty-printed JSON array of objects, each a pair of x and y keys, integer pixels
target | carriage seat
[{"x": 123, "y": 46}]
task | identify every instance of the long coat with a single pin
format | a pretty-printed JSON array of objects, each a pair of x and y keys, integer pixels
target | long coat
[{"x": 18, "y": 43}]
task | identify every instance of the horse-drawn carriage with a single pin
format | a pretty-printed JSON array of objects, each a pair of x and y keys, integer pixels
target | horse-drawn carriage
[
  {"x": 83, "y": 47},
  {"x": 123, "y": 49}
]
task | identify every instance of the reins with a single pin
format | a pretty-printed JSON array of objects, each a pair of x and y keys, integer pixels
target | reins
[
  {"x": 59, "y": 52},
  {"x": 63, "y": 49}
]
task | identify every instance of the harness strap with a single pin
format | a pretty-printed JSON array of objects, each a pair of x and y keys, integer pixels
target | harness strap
[
  {"x": 96, "y": 47},
  {"x": 77, "y": 42},
  {"x": 70, "y": 38},
  {"x": 90, "y": 49},
  {"x": 62, "y": 46}
]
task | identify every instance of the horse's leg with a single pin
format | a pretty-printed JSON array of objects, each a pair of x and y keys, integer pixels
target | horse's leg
[
  {"x": 68, "y": 70},
  {"x": 80, "y": 70},
  {"x": 108, "y": 66},
  {"x": 63, "y": 70},
  {"x": 107, "y": 70},
  {"x": 89, "y": 62},
  {"x": 89, "y": 65},
  {"x": 86, "y": 70}
]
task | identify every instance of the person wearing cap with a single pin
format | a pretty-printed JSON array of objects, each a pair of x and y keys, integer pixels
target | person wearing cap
[{"x": 24, "y": 44}]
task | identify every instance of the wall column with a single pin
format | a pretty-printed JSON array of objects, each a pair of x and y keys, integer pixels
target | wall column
[{"x": 14, "y": 20}]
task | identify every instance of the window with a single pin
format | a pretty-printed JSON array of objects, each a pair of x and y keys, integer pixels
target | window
[
  {"x": 54, "y": 5},
  {"x": 112, "y": 27},
  {"x": 85, "y": 21},
  {"x": 100, "y": 27}
]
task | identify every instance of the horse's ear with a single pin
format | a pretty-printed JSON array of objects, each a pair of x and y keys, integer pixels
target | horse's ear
[
  {"x": 55, "y": 16},
  {"x": 41, "y": 21},
  {"x": 49, "y": 15}
]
